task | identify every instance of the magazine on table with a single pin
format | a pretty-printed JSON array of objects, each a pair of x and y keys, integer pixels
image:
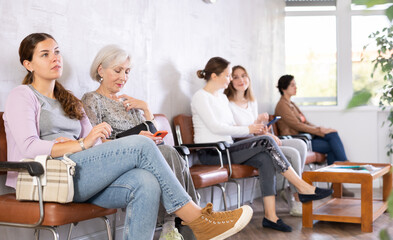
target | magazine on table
[{"x": 367, "y": 168}]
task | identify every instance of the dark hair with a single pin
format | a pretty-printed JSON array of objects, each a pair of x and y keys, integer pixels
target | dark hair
[
  {"x": 215, "y": 65},
  {"x": 71, "y": 105},
  {"x": 284, "y": 82},
  {"x": 230, "y": 90}
]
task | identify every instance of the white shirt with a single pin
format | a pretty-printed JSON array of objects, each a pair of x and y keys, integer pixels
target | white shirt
[
  {"x": 244, "y": 116},
  {"x": 212, "y": 118}
]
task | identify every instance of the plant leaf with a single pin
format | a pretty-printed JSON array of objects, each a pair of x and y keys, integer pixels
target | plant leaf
[
  {"x": 389, "y": 13},
  {"x": 390, "y": 204},
  {"x": 359, "y": 98},
  {"x": 360, "y": 2},
  {"x": 384, "y": 235},
  {"x": 371, "y": 3}
]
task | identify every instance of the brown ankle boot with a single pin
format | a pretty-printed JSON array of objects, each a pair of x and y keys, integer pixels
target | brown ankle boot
[{"x": 219, "y": 225}]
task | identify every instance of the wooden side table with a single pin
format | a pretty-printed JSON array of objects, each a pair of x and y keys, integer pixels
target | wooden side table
[{"x": 364, "y": 210}]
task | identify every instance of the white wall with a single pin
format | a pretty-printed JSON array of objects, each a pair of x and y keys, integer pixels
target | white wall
[
  {"x": 360, "y": 129},
  {"x": 362, "y": 132},
  {"x": 169, "y": 41}
]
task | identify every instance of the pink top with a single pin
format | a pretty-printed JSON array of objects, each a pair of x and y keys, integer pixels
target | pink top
[{"x": 21, "y": 122}]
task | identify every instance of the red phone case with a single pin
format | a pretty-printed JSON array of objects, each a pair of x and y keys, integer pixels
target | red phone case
[{"x": 160, "y": 134}]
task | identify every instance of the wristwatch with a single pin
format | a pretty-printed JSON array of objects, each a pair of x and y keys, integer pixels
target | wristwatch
[{"x": 80, "y": 141}]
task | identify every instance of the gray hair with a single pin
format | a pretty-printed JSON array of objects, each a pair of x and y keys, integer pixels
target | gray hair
[{"x": 108, "y": 56}]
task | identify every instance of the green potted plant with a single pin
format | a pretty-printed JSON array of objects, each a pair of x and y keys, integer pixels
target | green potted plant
[{"x": 383, "y": 62}]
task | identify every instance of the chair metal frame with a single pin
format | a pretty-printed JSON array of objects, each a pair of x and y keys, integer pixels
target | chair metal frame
[
  {"x": 35, "y": 169},
  {"x": 185, "y": 152},
  {"x": 240, "y": 196},
  {"x": 208, "y": 146}
]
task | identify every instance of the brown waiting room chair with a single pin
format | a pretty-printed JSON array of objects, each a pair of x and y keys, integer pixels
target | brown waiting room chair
[
  {"x": 202, "y": 176},
  {"x": 185, "y": 137},
  {"x": 40, "y": 215}
]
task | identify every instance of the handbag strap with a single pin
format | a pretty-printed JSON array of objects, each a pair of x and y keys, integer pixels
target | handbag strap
[
  {"x": 41, "y": 159},
  {"x": 147, "y": 126},
  {"x": 70, "y": 164}
]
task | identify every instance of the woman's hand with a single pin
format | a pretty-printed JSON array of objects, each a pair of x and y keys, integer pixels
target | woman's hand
[
  {"x": 276, "y": 139},
  {"x": 62, "y": 139},
  {"x": 262, "y": 118},
  {"x": 148, "y": 134},
  {"x": 100, "y": 131},
  {"x": 257, "y": 129},
  {"x": 327, "y": 130},
  {"x": 130, "y": 103}
]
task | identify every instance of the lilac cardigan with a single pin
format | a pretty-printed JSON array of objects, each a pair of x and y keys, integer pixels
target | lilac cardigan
[{"x": 21, "y": 122}]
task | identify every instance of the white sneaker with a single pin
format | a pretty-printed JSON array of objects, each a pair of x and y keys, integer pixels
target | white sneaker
[
  {"x": 297, "y": 209},
  {"x": 283, "y": 195},
  {"x": 169, "y": 232}
]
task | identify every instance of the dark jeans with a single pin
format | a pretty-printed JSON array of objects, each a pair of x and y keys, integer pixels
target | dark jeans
[
  {"x": 331, "y": 145},
  {"x": 260, "y": 152}
]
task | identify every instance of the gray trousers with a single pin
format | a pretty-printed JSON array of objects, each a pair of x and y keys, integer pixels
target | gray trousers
[
  {"x": 295, "y": 150},
  {"x": 261, "y": 152},
  {"x": 179, "y": 168}
]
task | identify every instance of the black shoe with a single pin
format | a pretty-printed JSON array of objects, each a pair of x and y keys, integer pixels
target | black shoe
[
  {"x": 320, "y": 193},
  {"x": 280, "y": 225}
]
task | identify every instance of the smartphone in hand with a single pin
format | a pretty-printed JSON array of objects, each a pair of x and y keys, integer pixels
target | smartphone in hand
[
  {"x": 161, "y": 134},
  {"x": 275, "y": 119}
]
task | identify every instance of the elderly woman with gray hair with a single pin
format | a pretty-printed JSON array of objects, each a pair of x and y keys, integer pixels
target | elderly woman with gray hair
[{"x": 110, "y": 68}]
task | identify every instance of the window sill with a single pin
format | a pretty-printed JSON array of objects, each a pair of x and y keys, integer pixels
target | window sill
[{"x": 337, "y": 108}]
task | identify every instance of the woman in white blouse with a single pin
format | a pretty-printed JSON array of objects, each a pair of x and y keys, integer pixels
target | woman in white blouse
[
  {"x": 213, "y": 121},
  {"x": 245, "y": 112}
]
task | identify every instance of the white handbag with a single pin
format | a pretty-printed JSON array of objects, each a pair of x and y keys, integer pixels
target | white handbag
[{"x": 57, "y": 180}]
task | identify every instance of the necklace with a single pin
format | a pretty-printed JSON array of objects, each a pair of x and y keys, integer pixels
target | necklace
[{"x": 110, "y": 96}]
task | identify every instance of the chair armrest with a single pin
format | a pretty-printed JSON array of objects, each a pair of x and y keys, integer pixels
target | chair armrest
[
  {"x": 306, "y": 137},
  {"x": 182, "y": 150},
  {"x": 303, "y": 135},
  {"x": 284, "y": 137},
  {"x": 219, "y": 145},
  {"x": 226, "y": 144},
  {"x": 34, "y": 168}
]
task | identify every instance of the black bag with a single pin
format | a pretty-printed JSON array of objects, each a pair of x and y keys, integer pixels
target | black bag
[{"x": 145, "y": 126}]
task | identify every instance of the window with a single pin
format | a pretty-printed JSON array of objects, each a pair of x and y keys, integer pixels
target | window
[
  {"x": 363, "y": 24},
  {"x": 362, "y": 67},
  {"x": 310, "y": 55},
  {"x": 324, "y": 49},
  {"x": 311, "y": 51}
]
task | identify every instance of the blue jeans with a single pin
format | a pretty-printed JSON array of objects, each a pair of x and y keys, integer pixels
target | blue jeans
[
  {"x": 331, "y": 145},
  {"x": 129, "y": 173}
]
